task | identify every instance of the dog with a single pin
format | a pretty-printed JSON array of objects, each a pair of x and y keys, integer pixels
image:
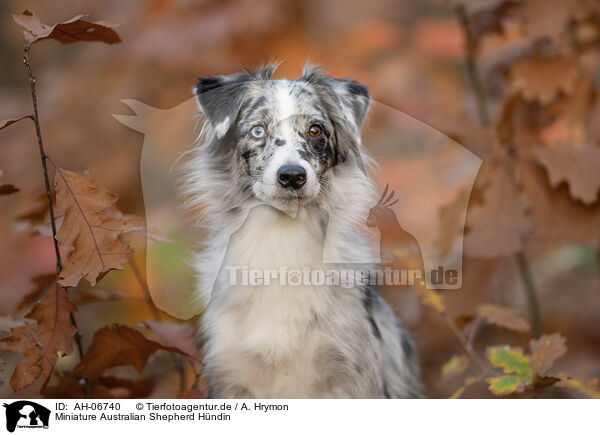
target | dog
[{"x": 279, "y": 173}]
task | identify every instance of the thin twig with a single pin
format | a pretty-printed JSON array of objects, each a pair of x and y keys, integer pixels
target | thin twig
[
  {"x": 44, "y": 157},
  {"x": 484, "y": 119},
  {"x": 472, "y": 70},
  {"x": 532, "y": 300},
  {"x": 36, "y": 120},
  {"x": 464, "y": 342},
  {"x": 474, "y": 329}
]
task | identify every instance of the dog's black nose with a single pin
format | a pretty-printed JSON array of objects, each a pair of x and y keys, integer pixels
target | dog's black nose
[{"x": 293, "y": 176}]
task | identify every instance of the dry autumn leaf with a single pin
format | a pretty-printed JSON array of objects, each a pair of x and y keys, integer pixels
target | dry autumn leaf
[
  {"x": 452, "y": 222},
  {"x": 118, "y": 346},
  {"x": 72, "y": 30},
  {"x": 576, "y": 165},
  {"x": 573, "y": 111},
  {"x": 91, "y": 226},
  {"x": 555, "y": 215},
  {"x": 41, "y": 342},
  {"x": 6, "y": 122},
  {"x": 23, "y": 340},
  {"x": 543, "y": 78},
  {"x": 179, "y": 335},
  {"x": 545, "y": 351},
  {"x": 505, "y": 317},
  {"x": 6, "y": 189},
  {"x": 57, "y": 331},
  {"x": 545, "y": 18},
  {"x": 499, "y": 225}
]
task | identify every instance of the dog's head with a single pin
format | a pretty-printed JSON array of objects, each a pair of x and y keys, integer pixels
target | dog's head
[{"x": 284, "y": 135}]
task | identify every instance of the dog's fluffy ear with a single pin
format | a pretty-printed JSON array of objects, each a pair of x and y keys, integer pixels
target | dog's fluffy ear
[
  {"x": 353, "y": 97},
  {"x": 347, "y": 103},
  {"x": 220, "y": 98}
]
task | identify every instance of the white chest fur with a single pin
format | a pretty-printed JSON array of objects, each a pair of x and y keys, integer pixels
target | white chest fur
[
  {"x": 271, "y": 326},
  {"x": 270, "y": 319}
]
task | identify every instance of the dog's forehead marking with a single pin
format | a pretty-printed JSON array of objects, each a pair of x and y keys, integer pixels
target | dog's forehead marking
[{"x": 286, "y": 104}]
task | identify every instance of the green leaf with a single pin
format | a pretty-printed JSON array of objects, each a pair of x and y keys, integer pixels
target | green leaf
[
  {"x": 503, "y": 385},
  {"x": 516, "y": 367},
  {"x": 511, "y": 360}
]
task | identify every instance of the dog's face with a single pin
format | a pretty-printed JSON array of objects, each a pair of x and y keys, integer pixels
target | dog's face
[{"x": 284, "y": 135}]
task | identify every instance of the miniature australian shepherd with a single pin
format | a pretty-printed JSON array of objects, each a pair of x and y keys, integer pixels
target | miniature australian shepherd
[{"x": 279, "y": 172}]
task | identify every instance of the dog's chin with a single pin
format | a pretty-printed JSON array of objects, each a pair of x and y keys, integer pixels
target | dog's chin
[{"x": 285, "y": 200}]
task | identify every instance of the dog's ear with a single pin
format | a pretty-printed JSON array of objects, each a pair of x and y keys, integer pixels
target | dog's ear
[
  {"x": 220, "y": 98},
  {"x": 353, "y": 98},
  {"x": 347, "y": 103}
]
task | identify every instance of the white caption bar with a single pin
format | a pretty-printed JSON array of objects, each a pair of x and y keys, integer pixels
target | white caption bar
[{"x": 298, "y": 416}]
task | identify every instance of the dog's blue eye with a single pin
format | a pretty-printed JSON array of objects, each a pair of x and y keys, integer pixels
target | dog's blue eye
[{"x": 258, "y": 131}]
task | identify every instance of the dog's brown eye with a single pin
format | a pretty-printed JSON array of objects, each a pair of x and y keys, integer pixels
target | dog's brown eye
[{"x": 315, "y": 130}]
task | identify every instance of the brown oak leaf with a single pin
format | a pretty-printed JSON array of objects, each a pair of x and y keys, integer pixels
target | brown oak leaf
[
  {"x": 57, "y": 331},
  {"x": 179, "y": 335},
  {"x": 499, "y": 225},
  {"x": 41, "y": 342},
  {"x": 543, "y": 78},
  {"x": 118, "y": 346},
  {"x": 72, "y": 30},
  {"x": 545, "y": 18},
  {"x": 452, "y": 222},
  {"x": 505, "y": 317},
  {"x": 576, "y": 165},
  {"x": 555, "y": 215},
  {"x": 545, "y": 351},
  {"x": 91, "y": 226}
]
